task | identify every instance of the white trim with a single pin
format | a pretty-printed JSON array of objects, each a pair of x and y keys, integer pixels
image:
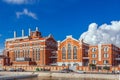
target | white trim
[
  {"x": 69, "y": 36},
  {"x": 11, "y": 39},
  {"x": 27, "y": 42},
  {"x": 99, "y": 52}
]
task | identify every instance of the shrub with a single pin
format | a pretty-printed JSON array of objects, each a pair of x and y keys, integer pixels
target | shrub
[{"x": 37, "y": 69}]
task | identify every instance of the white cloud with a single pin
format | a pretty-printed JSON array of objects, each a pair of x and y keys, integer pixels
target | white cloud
[
  {"x": 20, "y": 1},
  {"x": 102, "y": 34},
  {"x": 1, "y": 50},
  {"x": 27, "y": 13}
]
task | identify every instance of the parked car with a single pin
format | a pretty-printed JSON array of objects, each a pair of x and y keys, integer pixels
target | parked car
[
  {"x": 66, "y": 71},
  {"x": 11, "y": 69},
  {"x": 116, "y": 72},
  {"x": 20, "y": 70},
  {"x": 44, "y": 69},
  {"x": 1, "y": 69},
  {"x": 80, "y": 71}
]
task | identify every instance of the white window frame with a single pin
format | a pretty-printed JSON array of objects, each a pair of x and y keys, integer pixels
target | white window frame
[
  {"x": 93, "y": 55},
  {"x": 105, "y": 61},
  {"x": 94, "y": 49},
  {"x": 106, "y": 49},
  {"x": 94, "y": 61},
  {"x": 106, "y": 55}
]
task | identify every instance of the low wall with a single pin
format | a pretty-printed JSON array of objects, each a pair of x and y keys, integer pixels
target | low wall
[
  {"x": 57, "y": 68},
  {"x": 67, "y": 75}
]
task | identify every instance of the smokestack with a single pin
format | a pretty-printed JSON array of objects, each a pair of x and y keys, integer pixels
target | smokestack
[
  {"x": 14, "y": 34},
  {"x": 36, "y": 28},
  {"x": 22, "y": 33},
  {"x": 29, "y": 31}
]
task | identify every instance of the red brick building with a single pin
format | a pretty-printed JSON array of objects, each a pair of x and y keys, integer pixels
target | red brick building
[
  {"x": 104, "y": 55},
  {"x": 4, "y": 60},
  {"x": 72, "y": 52},
  {"x": 45, "y": 51},
  {"x": 31, "y": 50}
]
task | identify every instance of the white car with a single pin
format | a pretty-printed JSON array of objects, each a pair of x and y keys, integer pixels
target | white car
[
  {"x": 11, "y": 69},
  {"x": 80, "y": 71},
  {"x": 1, "y": 69},
  {"x": 116, "y": 72}
]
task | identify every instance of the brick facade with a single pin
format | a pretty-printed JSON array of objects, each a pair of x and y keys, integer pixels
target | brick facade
[
  {"x": 31, "y": 50},
  {"x": 36, "y": 50}
]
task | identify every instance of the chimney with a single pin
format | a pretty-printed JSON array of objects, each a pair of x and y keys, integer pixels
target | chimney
[
  {"x": 29, "y": 31},
  {"x": 14, "y": 34},
  {"x": 36, "y": 28},
  {"x": 22, "y": 33}
]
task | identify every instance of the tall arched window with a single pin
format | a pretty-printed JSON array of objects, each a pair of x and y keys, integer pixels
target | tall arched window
[
  {"x": 28, "y": 52},
  {"x": 18, "y": 53},
  {"x": 33, "y": 54},
  {"x": 69, "y": 51},
  {"x": 15, "y": 54},
  {"x": 74, "y": 52},
  {"x": 63, "y": 53},
  {"x": 38, "y": 54}
]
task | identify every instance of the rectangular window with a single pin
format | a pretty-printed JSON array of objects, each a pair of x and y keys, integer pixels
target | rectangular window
[
  {"x": 93, "y": 55},
  {"x": 106, "y": 55},
  {"x": 94, "y": 49},
  {"x": 106, "y": 49},
  {"x": 105, "y": 61},
  {"x": 94, "y": 61}
]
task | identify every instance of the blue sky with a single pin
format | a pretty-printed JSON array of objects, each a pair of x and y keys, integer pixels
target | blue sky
[{"x": 58, "y": 17}]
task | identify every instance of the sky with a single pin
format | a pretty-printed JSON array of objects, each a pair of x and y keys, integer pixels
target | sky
[{"x": 59, "y": 18}]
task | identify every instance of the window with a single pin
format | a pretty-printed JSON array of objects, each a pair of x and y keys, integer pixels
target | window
[
  {"x": 18, "y": 53},
  {"x": 15, "y": 54},
  {"x": 63, "y": 53},
  {"x": 94, "y": 61},
  {"x": 93, "y": 55},
  {"x": 63, "y": 64},
  {"x": 33, "y": 56},
  {"x": 105, "y": 61},
  {"x": 28, "y": 52},
  {"x": 106, "y": 49},
  {"x": 25, "y": 53},
  {"x": 106, "y": 55},
  {"x": 38, "y": 54},
  {"x": 75, "y": 64},
  {"x": 94, "y": 49},
  {"x": 69, "y": 51},
  {"x": 69, "y": 64},
  {"x": 74, "y": 52}
]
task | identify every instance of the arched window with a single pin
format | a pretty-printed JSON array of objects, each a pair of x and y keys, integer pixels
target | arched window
[
  {"x": 74, "y": 52},
  {"x": 63, "y": 53},
  {"x": 15, "y": 54},
  {"x": 18, "y": 54},
  {"x": 38, "y": 54},
  {"x": 28, "y": 52},
  {"x": 33, "y": 55},
  {"x": 69, "y": 51}
]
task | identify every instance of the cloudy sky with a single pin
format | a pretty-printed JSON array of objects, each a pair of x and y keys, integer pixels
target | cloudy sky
[{"x": 61, "y": 18}]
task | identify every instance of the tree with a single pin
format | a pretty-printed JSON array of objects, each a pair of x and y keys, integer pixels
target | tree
[
  {"x": 106, "y": 68},
  {"x": 37, "y": 69}
]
